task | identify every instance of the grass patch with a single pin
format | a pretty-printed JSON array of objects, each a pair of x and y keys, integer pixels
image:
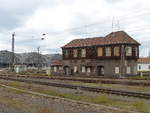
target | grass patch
[
  {"x": 44, "y": 110},
  {"x": 100, "y": 99}
]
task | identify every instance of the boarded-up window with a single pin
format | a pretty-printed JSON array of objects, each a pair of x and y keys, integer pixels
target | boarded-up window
[
  {"x": 75, "y": 69},
  {"x": 116, "y": 51},
  {"x": 128, "y": 51},
  {"x": 83, "y": 53},
  {"x": 108, "y": 51},
  {"x": 55, "y": 68},
  {"x": 75, "y": 53},
  {"x": 60, "y": 68},
  {"x": 128, "y": 70},
  {"x": 89, "y": 70},
  {"x": 117, "y": 70},
  {"x": 100, "y": 51},
  {"x": 83, "y": 69}
]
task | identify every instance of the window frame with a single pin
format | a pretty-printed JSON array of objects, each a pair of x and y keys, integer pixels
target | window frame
[
  {"x": 116, "y": 51},
  {"x": 83, "y": 53},
  {"x": 129, "y": 51},
  {"x": 100, "y": 53},
  {"x": 108, "y": 51},
  {"x": 75, "y": 53}
]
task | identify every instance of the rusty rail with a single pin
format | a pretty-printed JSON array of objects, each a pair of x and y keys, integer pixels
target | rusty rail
[{"x": 85, "y": 88}]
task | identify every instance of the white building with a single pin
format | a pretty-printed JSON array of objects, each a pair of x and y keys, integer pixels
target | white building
[{"x": 143, "y": 64}]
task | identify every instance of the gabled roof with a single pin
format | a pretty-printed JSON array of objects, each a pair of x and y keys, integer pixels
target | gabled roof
[
  {"x": 144, "y": 60},
  {"x": 119, "y": 37},
  {"x": 57, "y": 63}
]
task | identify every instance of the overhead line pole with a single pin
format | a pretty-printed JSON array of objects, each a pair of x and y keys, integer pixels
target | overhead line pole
[
  {"x": 38, "y": 58},
  {"x": 13, "y": 55}
]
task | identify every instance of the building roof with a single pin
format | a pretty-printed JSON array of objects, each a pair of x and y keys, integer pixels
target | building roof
[
  {"x": 57, "y": 63},
  {"x": 119, "y": 37},
  {"x": 144, "y": 60}
]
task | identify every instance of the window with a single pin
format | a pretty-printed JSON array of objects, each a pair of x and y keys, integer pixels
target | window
[
  {"x": 75, "y": 69},
  {"x": 136, "y": 51},
  {"x": 83, "y": 69},
  {"x": 60, "y": 68},
  {"x": 66, "y": 53},
  {"x": 149, "y": 67},
  {"x": 100, "y": 51},
  {"x": 83, "y": 53},
  {"x": 128, "y": 51},
  {"x": 116, "y": 51},
  {"x": 108, "y": 51},
  {"x": 117, "y": 70},
  {"x": 128, "y": 70},
  {"x": 139, "y": 67},
  {"x": 75, "y": 53},
  {"x": 55, "y": 68},
  {"x": 88, "y": 69}
]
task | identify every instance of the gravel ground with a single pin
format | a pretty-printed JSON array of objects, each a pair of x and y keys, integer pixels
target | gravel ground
[{"x": 16, "y": 102}]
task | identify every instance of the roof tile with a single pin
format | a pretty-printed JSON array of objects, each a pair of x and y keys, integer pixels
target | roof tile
[{"x": 119, "y": 37}]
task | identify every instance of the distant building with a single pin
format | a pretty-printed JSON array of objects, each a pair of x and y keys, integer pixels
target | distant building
[
  {"x": 143, "y": 64},
  {"x": 20, "y": 68},
  {"x": 57, "y": 67}
]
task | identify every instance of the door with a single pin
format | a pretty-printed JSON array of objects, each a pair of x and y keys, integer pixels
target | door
[
  {"x": 66, "y": 69},
  {"x": 100, "y": 70}
]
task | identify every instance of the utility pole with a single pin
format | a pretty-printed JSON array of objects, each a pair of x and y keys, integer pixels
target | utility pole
[
  {"x": 38, "y": 58},
  {"x": 13, "y": 55}
]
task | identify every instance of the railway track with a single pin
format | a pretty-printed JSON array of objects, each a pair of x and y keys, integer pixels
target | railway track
[
  {"x": 85, "y": 88},
  {"x": 91, "y": 80}
]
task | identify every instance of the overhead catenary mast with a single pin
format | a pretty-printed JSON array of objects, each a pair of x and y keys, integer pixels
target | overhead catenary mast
[{"x": 13, "y": 54}]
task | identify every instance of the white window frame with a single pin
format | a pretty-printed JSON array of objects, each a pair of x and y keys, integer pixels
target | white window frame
[
  {"x": 128, "y": 70},
  {"x": 75, "y": 69},
  {"x": 88, "y": 70},
  {"x": 83, "y": 69},
  {"x": 55, "y": 69},
  {"x": 117, "y": 70}
]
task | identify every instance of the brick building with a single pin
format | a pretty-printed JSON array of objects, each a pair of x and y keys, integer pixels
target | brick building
[{"x": 113, "y": 55}]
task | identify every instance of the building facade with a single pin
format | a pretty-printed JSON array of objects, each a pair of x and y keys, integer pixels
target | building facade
[
  {"x": 114, "y": 55},
  {"x": 144, "y": 66}
]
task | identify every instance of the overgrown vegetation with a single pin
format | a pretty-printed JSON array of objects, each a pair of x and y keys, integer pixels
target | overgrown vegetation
[{"x": 104, "y": 99}]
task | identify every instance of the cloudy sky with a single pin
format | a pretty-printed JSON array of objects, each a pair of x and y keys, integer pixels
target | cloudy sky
[{"x": 65, "y": 20}]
